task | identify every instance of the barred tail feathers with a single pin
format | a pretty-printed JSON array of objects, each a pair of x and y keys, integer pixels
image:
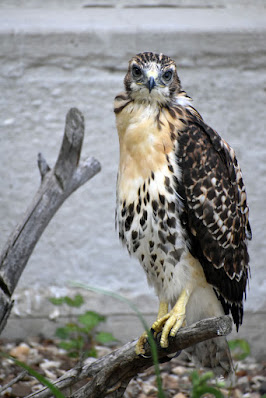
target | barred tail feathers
[{"x": 213, "y": 354}]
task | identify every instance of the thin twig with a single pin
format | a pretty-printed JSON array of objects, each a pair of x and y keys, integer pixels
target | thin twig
[{"x": 19, "y": 377}]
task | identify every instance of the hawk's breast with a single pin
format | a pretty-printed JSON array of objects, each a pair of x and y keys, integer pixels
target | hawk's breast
[
  {"x": 148, "y": 211},
  {"x": 149, "y": 226},
  {"x": 148, "y": 205}
]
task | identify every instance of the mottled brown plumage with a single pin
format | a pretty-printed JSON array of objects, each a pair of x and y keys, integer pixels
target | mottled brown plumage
[{"x": 181, "y": 201}]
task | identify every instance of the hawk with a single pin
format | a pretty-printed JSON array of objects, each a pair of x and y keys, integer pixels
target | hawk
[{"x": 181, "y": 205}]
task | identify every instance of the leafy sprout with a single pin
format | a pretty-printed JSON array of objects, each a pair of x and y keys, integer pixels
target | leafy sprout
[
  {"x": 201, "y": 386},
  {"x": 79, "y": 337}
]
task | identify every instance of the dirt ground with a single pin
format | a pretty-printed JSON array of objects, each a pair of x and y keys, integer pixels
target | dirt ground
[{"x": 44, "y": 356}]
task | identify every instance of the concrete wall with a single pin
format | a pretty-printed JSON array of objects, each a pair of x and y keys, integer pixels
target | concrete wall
[{"x": 68, "y": 55}]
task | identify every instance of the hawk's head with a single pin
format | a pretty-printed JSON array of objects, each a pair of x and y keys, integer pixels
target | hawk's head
[{"x": 152, "y": 77}]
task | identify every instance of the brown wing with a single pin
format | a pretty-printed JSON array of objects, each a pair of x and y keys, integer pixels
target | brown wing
[{"x": 215, "y": 212}]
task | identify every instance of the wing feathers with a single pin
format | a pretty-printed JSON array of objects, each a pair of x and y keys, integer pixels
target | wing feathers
[{"x": 215, "y": 212}]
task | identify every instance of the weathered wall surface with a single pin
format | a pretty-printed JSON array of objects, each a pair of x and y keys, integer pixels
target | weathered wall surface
[{"x": 54, "y": 58}]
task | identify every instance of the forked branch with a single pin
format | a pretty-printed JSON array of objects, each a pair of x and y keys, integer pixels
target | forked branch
[{"x": 57, "y": 184}]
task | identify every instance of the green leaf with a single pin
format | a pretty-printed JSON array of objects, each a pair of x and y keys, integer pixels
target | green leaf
[
  {"x": 75, "y": 344},
  {"x": 67, "y": 345},
  {"x": 91, "y": 319},
  {"x": 57, "y": 393},
  {"x": 205, "y": 377},
  {"x": 104, "y": 337},
  {"x": 200, "y": 386},
  {"x": 195, "y": 378},
  {"x": 73, "y": 354},
  {"x": 91, "y": 353},
  {"x": 240, "y": 348},
  {"x": 65, "y": 332},
  {"x": 85, "y": 331},
  {"x": 56, "y": 301},
  {"x": 77, "y": 301},
  {"x": 62, "y": 333},
  {"x": 201, "y": 391},
  {"x": 220, "y": 384}
]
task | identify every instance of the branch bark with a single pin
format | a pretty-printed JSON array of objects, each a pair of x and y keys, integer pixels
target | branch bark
[
  {"x": 110, "y": 375},
  {"x": 57, "y": 184}
]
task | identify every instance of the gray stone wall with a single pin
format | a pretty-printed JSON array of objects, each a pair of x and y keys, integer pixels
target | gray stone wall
[{"x": 61, "y": 55}]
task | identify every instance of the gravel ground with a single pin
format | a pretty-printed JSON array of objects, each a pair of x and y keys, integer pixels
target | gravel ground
[{"x": 44, "y": 356}]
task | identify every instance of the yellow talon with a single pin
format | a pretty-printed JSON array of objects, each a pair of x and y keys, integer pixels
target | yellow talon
[
  {"x": 139, "y": 349},
  {"x": 176, "y": 318},
  {"x": 172, "y": 325},
  {"x": 167, "y": 322},
  {"x": 161, "y": 318},
  {"x": 179, "y": 324},
  {"x": 171, "y": 322}
]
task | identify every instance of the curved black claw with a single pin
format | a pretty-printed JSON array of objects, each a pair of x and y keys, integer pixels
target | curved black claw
[
  {"x": 145, "y": 356},
  {"x": 169, "y": 357}
]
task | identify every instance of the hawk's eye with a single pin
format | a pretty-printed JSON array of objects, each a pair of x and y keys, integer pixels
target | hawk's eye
[
  {"x": 167, "y": 76},
  {"x": 136, "y": 71}
]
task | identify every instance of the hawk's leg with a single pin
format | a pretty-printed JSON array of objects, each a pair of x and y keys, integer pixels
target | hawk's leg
[
  {"x": 170, "y": 323},
  {"x": 163, "y": 310}
]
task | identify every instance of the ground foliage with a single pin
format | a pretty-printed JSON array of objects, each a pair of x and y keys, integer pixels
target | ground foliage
[{"x": 179, "y": 377}]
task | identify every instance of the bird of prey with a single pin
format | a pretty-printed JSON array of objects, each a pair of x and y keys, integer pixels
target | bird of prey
[{"x": 181, "y": 205}]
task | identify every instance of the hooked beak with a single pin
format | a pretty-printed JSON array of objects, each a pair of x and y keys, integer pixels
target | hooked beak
[{"x": 151, "y": 83}]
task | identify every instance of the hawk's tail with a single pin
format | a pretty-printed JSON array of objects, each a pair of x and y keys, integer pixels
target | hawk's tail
[{"x": 213, "y": 354}]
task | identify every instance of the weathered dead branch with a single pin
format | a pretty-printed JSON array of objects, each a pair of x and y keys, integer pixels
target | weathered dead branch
[
  {"x": 57, "y": 184},
  {"x": 110, "y": 375}
]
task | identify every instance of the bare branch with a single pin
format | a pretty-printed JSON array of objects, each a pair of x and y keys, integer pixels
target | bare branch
[
  {"x": 56, "y": 185},
  {"x": 19, "y": 377},
  {"x": 112, "y": 373}
]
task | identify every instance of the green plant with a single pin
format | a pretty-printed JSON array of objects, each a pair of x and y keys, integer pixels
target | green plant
[
  {"x": 240, "y": 349},
  {"x": 201, "y": 386},
  {"x": 77, "y": 301},
  {"x": 79, "y": 337}
]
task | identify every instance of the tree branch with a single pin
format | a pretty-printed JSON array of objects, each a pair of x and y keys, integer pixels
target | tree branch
[
  {"x": 56, "y": 185},
  {"x": 19, "y": 377},
  {"x": 111, "y": 374}
]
